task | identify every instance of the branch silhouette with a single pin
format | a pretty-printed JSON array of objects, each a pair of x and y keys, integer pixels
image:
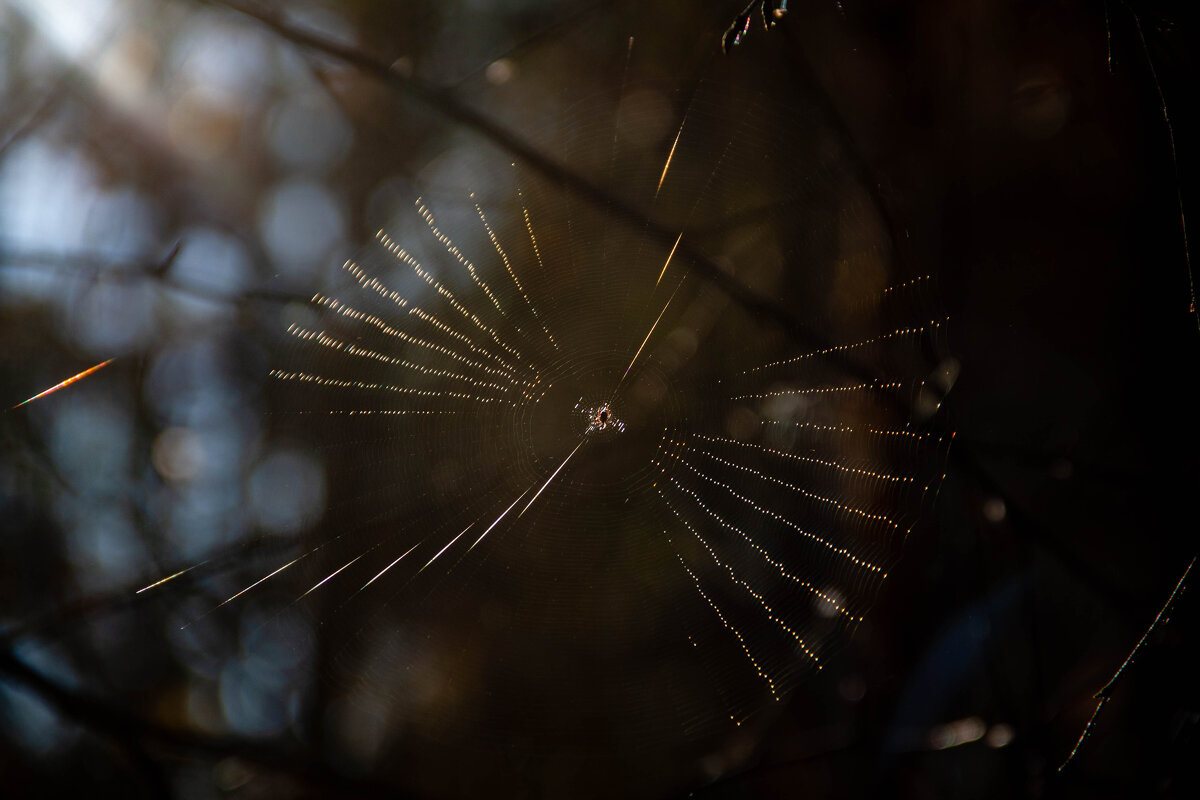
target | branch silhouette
[
  {"x": 1106, "y": 691},
  {"x": 453, "y": 109}
]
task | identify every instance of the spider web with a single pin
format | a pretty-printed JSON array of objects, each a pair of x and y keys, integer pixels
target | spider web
[{"x": 580, "y": 495}]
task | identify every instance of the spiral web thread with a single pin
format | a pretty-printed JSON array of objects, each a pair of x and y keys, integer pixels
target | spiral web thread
[{"x": 588, "y": 391}]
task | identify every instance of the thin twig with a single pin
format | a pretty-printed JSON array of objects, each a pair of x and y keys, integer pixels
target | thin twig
[
  {"x": 1162, "y": 102},
  {"x": 1106, "y": 692},
  {"x": 95, "y": 266},
  {"x": 555, "y": 27},
  {"x": 1108, "y": 37}
]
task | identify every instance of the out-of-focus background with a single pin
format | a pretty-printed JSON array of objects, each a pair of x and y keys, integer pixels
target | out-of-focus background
[{"x": 177, "y": 177}]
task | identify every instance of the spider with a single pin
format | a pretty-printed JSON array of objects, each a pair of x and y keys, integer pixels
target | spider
[
  {"x": 600, "y": 418},
  {"x": 741, "y": 24}
]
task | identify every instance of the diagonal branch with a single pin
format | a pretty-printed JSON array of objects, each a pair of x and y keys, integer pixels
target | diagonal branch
[
  {"x": 453, "y": 109},
  {"x": 1106, "y": 692}
]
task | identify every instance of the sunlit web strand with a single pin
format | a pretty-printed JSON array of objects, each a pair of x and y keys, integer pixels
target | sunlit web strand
[
  {"x": 670, "y": 156},
  {"x": 837, "y": 504},
  {"x": 381, "y": 572},
  {"x": 765, "y": 555},
  {"x": 346, "y": 310},
  {"x": 406, "y": 258},
  {"x": 906, "y": 284},
  {"x": 434, "y": 558},
  {"x": 374, "y": 284},
  {"x": 553, "y": 475},
  {"x": 329, "y": 577},
  {"x": 253, "y": 585},
  {"x": 872, "y": 303},
  {"x": 325, "y": 340},
  {"x": 323, "y": 581},
  {"x": 446, "y": 547},
  {"x": 866, "y": 473},
  {"x": 345, "y": 602},
  {"x": 670, "y": 255},
  {"x": 841, "y": 551},
  {"x": 872, "y": 386},
  {"x": 503, "y": 514},
  {"x": 364, "y": 587},
  {"x": 171, "y": 577},
  {"x": 537, "y": 251},
  {"x": 508, "y": 266},
  {"x": 63, "y": 384},
  {"x": 762, "y": 602},
  {"x": 453, "y": 250},
  {"x": 841, "y": 348},
  {"x": 741, "y": 640},
  {"x": 922, "y": 437},
  {"x": 382, "y": 412},
  {"x": 642, "y": 346},
  {"x": 317, "y": 380},
  {"x": 767, "y": 512},
  {"x": 378, "y": 575}
]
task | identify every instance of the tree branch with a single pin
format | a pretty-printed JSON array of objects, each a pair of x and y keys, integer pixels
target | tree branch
[
  {"x": 1106, "y": 692},
  {"x": 451, "y": 108}
]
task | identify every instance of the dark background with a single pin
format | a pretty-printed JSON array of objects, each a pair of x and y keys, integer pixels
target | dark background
[{"x": 1016, "y": 151}]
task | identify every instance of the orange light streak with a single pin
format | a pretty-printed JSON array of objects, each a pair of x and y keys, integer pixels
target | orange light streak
[{"x": 65, "y": 383}]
